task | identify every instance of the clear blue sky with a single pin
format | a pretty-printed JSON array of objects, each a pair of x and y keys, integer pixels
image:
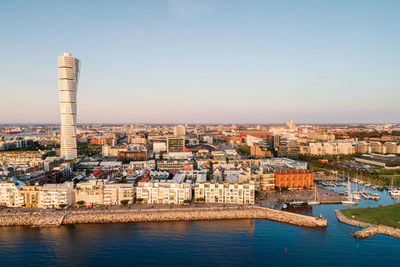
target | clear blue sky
[{"x": 204, "y": 61}]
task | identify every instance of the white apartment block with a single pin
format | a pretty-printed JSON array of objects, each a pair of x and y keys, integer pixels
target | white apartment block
[
  {"x": 9, "y": 195},
  {"x": 143, "y": 165},
  {"x": 115, "y": 193},
  {"x": 90, "y": 192},
  {"x": 163, "y": 193},
  {"x": 111, "y": 151},
  {"x": 159, "y": 146},
  {"x": 179, "y": 131},
  {"x": 183, "y": 155},
  {"x": 224, "y": 192},
  {"x": 331, "y": 148},
  {"x": 53, "y": 195}
]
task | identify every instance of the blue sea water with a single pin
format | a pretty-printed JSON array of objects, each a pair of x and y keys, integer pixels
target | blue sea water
[{"x": 200, "y": 243}]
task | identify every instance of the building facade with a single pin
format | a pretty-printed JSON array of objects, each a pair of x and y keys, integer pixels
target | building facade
[
  {"x": 55, "y": 195},
  {"x": 294, "y": 179},
  {"x": 115, "y": 194},
  {"x": 224, "y": 192},
  {"x": 30, "y": 195},
  {"x": 9, "y": 195},
  {"x": 68, "y": 76},
  {"x": 163, "y": 193}
]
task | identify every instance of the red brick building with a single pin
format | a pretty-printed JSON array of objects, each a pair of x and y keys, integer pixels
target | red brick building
[{"x": 294, "y": 179}]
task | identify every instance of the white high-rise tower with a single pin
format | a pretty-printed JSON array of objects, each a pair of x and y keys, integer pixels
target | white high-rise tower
[{"x": 68, "y": 76}]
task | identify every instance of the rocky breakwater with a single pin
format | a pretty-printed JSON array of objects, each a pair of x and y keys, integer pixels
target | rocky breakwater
[
  {"x": 37, "y": 219},
  {"x": 368, "y": 229},
  {"x": 191, "y": 214},
  {"x": 145, "y": 214}
]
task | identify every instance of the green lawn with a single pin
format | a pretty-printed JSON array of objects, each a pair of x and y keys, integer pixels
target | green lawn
[{"x": 386, "y": 215}]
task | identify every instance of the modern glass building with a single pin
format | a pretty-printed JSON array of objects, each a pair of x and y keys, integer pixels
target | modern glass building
[{"x": 68, "y": 76}]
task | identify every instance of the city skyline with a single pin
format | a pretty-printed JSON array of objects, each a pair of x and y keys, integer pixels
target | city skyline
[{"x": 205, "y": 62}]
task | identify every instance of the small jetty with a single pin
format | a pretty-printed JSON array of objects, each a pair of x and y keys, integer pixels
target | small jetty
[{"x": 368, "y": 229}]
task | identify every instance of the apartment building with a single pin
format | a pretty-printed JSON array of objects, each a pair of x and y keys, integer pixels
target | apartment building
[
  {"x": 111, "y": 151},
  {"x": 179, "y": 131},
  {"x": 163, "y": 193},
  {"x": 391, "y": 148},
  {"x": 90, "y": 192},
  {"x": 330, "y": 148},
  {"x": 256, "y": 151},
  {"x": 55, "y": 195},
  {"x": 174, "y": 165},
  {"x": 225, "y": 192},
  {"x": 267, "y": 181},
  {"x": 218, "y": 155},
  {"x": 362, "y": 147},
  {"x": 115, "y": 194},
  {"x": 9, "y": 195},
  {"x": 30, "y": 195},
  {"x": 175, "y": 144},
  {"x": 141, "y": 165},
  {"x": 294, "y": 179}
]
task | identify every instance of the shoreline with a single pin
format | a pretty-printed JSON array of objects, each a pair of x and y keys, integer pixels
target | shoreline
[
  {"x": 367, "y": 229},
  {"x": 57, "y": 218}
]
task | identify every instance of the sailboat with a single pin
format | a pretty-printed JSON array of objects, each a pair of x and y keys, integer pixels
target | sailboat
[
  {"x": 350, "y": 199},
  {"x": 314, "y": 202},
  {"x": 356, "y": 195}
]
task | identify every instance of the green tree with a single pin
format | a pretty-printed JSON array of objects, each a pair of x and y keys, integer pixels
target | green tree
[
  {"x": 195, "y": 166},
  {"x": 124, "y": 202},
  {"x": 243, "y": 150}
]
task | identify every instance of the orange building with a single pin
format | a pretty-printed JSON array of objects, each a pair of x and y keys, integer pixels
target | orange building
[
  {"x": 257, "y": 152},
  {"x": 294, "y": 179}
]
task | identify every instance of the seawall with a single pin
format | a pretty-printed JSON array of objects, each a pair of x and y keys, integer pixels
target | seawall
[
  {"x": 157, "y": 215},
  {"x": 193, "y": 214},
  {"x": 368, "y": 229}
]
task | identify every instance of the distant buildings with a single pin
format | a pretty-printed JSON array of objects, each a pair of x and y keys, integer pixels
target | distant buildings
[
  {"x": 68, "y": 76},
  {"x": 291, "y": 126},
  {"x": 175, "y": 144},
  {"x": 179, "y": 131},
  {"x": 330, "y": 148}
]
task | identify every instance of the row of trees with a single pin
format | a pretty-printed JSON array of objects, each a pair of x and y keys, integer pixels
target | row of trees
[{"x": 365, "y": 134}]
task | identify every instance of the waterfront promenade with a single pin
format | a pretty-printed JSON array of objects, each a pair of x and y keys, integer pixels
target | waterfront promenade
[{"x": 155, "y": 214}]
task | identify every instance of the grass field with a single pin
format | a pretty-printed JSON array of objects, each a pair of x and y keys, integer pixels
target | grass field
[{"x": 386, "y": 215}]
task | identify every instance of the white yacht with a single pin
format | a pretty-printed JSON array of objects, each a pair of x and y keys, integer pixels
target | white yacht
[
  {"x": 395, "y": 193},
  {"x": 349, "y": 200},
  {"x": 314, "y": 202}
]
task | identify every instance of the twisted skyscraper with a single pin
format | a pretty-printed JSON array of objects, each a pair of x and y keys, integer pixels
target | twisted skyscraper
[{"x": 68, "y": 75}]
